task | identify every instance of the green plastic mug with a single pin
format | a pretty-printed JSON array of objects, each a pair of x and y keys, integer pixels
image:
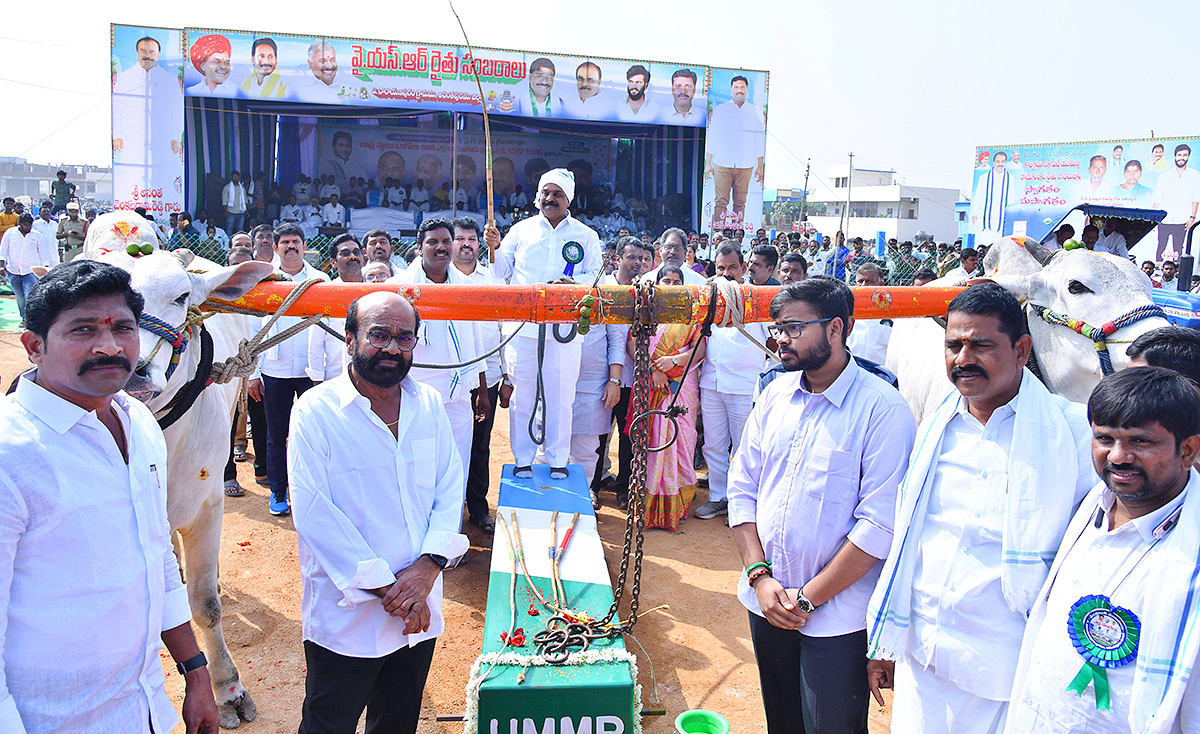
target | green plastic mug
[{"x": 700, "y": 721}]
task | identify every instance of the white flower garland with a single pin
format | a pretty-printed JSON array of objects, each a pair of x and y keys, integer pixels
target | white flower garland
[{"x": 514, "y": 659}]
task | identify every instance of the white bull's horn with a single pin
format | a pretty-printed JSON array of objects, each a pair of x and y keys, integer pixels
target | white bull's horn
[{"x": 184, "y": 255}]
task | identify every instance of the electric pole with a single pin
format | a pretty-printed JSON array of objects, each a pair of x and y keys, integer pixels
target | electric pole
[
  {"x": 804, "y": 197},
  {"x": 849, "y": 183}
]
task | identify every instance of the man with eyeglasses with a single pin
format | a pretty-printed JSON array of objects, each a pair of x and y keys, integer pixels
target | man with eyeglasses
[
  {"x": 449, "y": 342},
  {"x": 812, "y": 496},
  {"x": 727, "y": 380},
  {"x": 326, "y": 353},
  {"x": 673, "y": 246},
  {"x": 378, "y": 489}
]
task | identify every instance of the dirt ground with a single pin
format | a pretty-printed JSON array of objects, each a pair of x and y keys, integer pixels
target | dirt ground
[{"x": 700, "y": 648}]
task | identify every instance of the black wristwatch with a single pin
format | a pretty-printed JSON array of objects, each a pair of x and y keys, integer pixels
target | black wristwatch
[
  {"x": 191, "y": 664},
  {"x": 441, "y": 561}
]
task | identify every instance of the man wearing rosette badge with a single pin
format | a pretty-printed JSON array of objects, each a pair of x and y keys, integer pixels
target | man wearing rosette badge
[
  {"x": 552, "y": 247},
  {"x": 1111, "y": 643}
]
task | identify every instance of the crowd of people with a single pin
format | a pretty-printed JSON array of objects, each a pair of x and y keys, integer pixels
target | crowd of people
[{"x": 991, "y": 565}]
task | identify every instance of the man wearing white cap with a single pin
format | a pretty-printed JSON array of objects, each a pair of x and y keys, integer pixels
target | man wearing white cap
[
  {"x": 550, "y": 247},
  {"x": 71, "y": 229}
]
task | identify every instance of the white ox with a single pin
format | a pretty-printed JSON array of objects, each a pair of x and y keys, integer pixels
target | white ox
[
  {"x": 198, "y": 443},
  {"x": 1092, "y": 287}
]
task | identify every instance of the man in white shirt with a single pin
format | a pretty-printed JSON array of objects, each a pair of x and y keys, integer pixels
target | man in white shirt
[
  {"x": 47, "y": 227},
  {"x": 1125, "y": 578},
  {"x": 736, "y": 138},
  {"x": 233, "y": 201},
  {"x": 1178, "y": 193},
  {"x": 378, "y": 246},
  {"x": 588, "y": 102},
  {"x": 673, "y": 246},
  {"x": 869, "y": 338},
  {"x": 550, "y": 247},
  {"x": 329, "y": 189},
  {"x": 78, "y": 557},
  {"x": 968, "y": 263},
  {"x": 601, "y": 368},
  {"x": 311, "y": 219},
  {"x": 683, "y": 93},
  {"x": 304, "y": 189},
  {"x": 812, "y": 499},
  {"x": 449, "y": 342},
  {"x": 727, "y": 380},
  {"x": 21, "y": 249},
  {"x": 320, "y": 87},
  {"x": 418, "y": 196},
  {"x": 1112, "y": 241},
  {"x": 327, "y": 354},
  {"x": 999, "y": 469},
  {"x": 136, "y": 91},
  {"x": 378, "y": 491},
  {"x": 281, "y": 376},
  {"x": 333, "y": 213},
  {"x": 499, "y": 388},
  {"x": 291, "y": 213}
]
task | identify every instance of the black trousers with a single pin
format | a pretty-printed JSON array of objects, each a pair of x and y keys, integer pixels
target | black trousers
[
  {"x": 624, "y": 444},
  {"x": 279, "y": 394},
  {"x": 258, "y": 431},
  {"x": 811, "y": 685},
  {"x": 231, "y": 466},
  {"x": 481, "y": 454},
  {"x": 337, "y": 688}
]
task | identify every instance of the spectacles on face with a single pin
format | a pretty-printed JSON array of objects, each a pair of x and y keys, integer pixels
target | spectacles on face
[
  {"x": 792, "y": 329},
  {"x": 380, "y": 339}
]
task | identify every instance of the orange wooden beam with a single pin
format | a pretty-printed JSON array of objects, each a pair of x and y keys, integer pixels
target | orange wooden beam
[{"x": 550, "y": 304}]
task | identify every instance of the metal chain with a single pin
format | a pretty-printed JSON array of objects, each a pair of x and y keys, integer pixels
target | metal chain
[{"x": 644, "y": 326}]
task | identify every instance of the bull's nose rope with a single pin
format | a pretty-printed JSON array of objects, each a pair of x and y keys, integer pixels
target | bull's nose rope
[{"x": 1099, "y": 334}]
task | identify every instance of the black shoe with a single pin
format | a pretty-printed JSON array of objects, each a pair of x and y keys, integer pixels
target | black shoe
[
  {"x": 523, "y": 472},
  {"x": 622, "y": 501},
  {"x": 485, "y": 523}
]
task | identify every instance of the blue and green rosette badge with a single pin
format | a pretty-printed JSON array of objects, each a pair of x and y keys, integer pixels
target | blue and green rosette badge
[
  {"x": 1106, "y": 637},
  {"x": 572, "y": 252}
]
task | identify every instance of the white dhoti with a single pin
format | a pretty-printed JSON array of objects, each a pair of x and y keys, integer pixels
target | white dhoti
[
  {"x": 925, "y": 703},
  {"x": 585, "y": 451},
  {"x": 560, "y": 372}
]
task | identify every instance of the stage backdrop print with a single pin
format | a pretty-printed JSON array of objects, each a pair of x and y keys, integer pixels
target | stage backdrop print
[
  {"x": 147, "y": 119},
  {"x": 411, "y": 154}
]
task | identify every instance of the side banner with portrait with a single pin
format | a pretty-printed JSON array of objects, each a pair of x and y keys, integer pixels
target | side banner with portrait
[
  {"x": 734, "y": 148},
  {"x": 1155, "y": 173},
  {"x": 147, "y": 119}
]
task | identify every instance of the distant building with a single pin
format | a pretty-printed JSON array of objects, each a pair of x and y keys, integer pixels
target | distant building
[
  {"x": 878, "y": 203},
  {"x": 20, "y": 178}
]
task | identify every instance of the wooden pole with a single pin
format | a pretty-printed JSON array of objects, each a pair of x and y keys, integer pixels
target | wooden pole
[
  {"x": 487, "y": 131},
  {"x": 559, "y": 304}
]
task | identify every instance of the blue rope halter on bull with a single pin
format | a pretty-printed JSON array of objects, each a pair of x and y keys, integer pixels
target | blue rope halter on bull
[
  {"x": 177, "y": 338},
  {"x": 1099, "y": 334}
]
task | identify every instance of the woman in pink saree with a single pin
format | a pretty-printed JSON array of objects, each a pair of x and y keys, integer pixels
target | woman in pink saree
[{"x": 670, "y": 475}]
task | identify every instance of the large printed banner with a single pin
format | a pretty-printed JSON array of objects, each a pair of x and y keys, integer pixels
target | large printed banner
[
  {"x": 320, "y": 70},
  {"x": 1147, "y": 174},
  {"x": 734, "y": 148},
  {"x": 147, "y": 119},
  {"x": 408, "y": 155}
]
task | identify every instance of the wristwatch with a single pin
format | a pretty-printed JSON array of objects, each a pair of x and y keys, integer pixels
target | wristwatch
[
  {"x": 615, "y": 380},
  {"x": 441, "y": 561},
  {"x": 803, "y": 603},
  {"x": 191, "y": 664},
  {"x": 506, "y": 382}
]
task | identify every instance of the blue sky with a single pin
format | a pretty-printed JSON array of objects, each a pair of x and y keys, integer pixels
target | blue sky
[{"x": 907, "y": 86}]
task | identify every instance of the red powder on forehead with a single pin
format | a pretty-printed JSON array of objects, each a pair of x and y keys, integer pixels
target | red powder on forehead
[{"x": 108, "y": 321}]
